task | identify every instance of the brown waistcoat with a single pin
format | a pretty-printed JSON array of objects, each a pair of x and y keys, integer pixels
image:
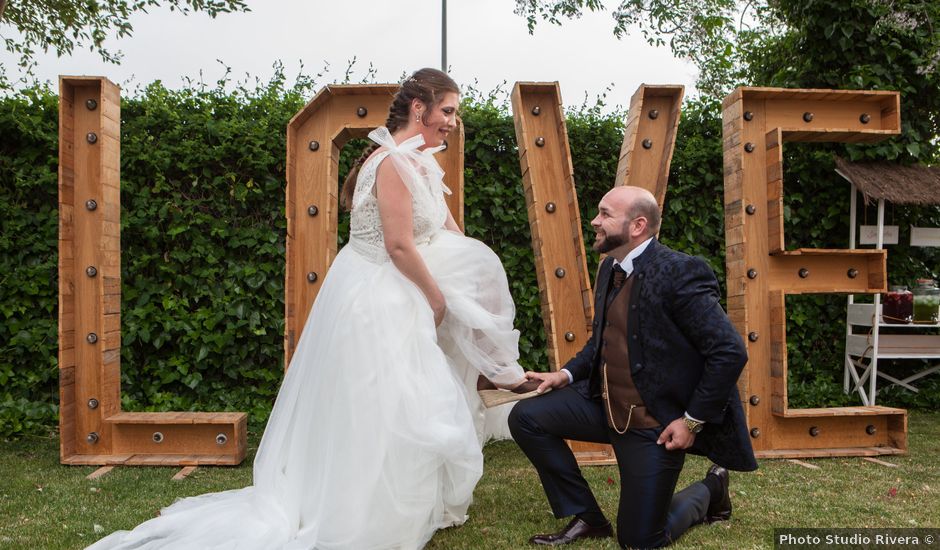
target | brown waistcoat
[{"x": 622, "y": 402}]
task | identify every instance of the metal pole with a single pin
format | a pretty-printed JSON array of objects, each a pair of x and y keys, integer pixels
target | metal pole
[{"x": 444, "y": 35}]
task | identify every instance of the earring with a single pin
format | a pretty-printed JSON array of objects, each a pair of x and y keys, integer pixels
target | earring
[{"x": 417, "y": 117}]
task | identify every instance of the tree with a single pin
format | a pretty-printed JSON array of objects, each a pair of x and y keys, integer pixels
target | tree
[
  {"x": 704, "y": 31},
  {"x": 850, "y": 44},
  {"x": 62, "y": 25}
]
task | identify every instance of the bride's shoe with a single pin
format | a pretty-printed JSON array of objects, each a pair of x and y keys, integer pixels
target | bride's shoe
[{"x": 492, "y": 395}]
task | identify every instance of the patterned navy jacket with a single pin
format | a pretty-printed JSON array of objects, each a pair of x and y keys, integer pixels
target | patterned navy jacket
[{"x": 685, "y": 355}]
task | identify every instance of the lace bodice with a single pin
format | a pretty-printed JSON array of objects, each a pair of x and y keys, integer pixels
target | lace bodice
[{"x": 427, "y": 202}]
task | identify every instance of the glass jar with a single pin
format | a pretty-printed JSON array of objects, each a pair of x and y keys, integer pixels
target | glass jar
[
  {"x": 898, "y": 305},
  {"x": 926, "y": 301}
]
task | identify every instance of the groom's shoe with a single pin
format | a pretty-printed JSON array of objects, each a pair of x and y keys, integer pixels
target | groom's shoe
[
  {"x": 720, "y": 507},
  {"x": 575, "y": 530},
  {"x": 492, "y": 395}
]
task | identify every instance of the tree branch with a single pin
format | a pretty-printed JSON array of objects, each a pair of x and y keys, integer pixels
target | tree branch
[{"x": 3, "y": 5}]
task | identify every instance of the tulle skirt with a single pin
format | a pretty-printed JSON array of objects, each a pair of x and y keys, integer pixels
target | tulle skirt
[{"x": 375, "y": 438}]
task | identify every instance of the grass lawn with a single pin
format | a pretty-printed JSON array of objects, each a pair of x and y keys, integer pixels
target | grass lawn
[{"x": 44, "y": 505}]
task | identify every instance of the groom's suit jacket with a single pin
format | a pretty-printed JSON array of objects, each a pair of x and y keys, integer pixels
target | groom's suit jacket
[{"x": 684, "y": 353}]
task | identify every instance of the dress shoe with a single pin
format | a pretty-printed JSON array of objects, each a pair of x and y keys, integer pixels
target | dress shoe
[
  {"x": 719, "y": 510},
  {"x": 575, "y": 530},
  {"x": 492, "y": 395}
]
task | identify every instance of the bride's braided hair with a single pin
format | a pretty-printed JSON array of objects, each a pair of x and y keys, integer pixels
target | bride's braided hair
[{"x": 426, "y": 85}]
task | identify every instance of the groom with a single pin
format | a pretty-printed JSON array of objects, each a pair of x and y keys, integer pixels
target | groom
[{"x": 657, "y": 379}]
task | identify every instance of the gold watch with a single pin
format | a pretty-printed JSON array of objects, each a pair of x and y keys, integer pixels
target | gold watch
[{"x": 694, "y": 426}]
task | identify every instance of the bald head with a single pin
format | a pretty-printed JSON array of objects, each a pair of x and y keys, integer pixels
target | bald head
[
  {"x": 635, "y": 202},
  {"x": 626, "y": 217}
]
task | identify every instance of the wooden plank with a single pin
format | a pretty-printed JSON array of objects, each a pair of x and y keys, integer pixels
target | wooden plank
[
  {"x": 803, "y": 464},
  {"x": 774, "y": 169},
  {"x": 879, "y": 462},
  {"x": 99, "y": 472},
  {"x": 905, "y": 346},
  {"x": 652, "y": 121},
  {"x": 778, "y": 352},
  {"x": 829, "y": 452},
  {"x": 175, "y": 439},
  {"x": 184, "y": 473},
  {"x": 826, "y": 271},
  {"x": 844, "y": 411},
  {"x": 177, "y": 418},
  {"x": 549, "y": 180},
  {"x": 87, "y": 230}
]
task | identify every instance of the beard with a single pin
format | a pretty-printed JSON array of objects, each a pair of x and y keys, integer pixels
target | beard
[{"x": 609, "y": 243}]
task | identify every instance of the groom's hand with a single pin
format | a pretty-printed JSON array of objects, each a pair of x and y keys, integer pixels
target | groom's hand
[
  {"x": 676, "y": 436},
  {"x": 548, "y": 379}
]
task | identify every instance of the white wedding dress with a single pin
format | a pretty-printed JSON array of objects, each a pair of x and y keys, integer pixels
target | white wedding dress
[{"x": 375, "y": 438}]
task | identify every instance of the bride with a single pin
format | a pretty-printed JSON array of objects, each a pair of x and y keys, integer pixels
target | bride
[{"x": 375, "y": 438}]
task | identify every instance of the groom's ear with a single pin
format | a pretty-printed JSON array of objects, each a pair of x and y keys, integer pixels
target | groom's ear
[{"x": 640, "y": 224}]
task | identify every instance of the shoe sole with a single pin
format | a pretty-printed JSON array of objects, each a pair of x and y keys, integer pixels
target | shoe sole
[
  {"x": 717, "y": 518},
  {"x": 494, "y": 398}
]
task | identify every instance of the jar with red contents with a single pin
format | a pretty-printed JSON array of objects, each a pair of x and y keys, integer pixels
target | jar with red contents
[{"x": 898, "y": 305}]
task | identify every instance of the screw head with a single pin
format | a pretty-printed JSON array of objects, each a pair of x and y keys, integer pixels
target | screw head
[
  {"x": 852, "y": 273},
  {"x": 540, "y": 141},
  {"x": 361, "y": 112},
  {"x": 750, "y": 209},
  {"x": 755, "y": 432},
  {"x": 748, "y": 115},
  {"x": 804, "y": 273},
  {"x": 312, "y": 210},
  {"x": 311, "y": 277},
  {"x": 91, "y": 104},
  {"x": 221, "y": 439},
  {"x": 647, "y": 143},
  {"x": 560, "y": 272},
  {"x": 550, "y": 208},
  {"x": 654, "y": 114},
  {"x": 754, "y": 400},
  {"x": 91, "y": 271},
  {"x": 749, "y": 147},
  {"x": 807, "y": 117},
  {"x": 313, "y": 145},
  {"x": 752, "y": 273},
  {"x": 92, "y": 438},
  {"x": 91, "y": 137},
  {"x": 91, "y": 204},
  {"x": 813, "y": 431},
  {"x": 752, "y": 336},
  {"x": 91, "y": 338},
  {"x": 870, "y": 429},
  {"x": 536, "y": 110},
  {"x": 92, "y": 403},
  {"x": 569, "y": 336},
  {"x": 157, "y": 437},
  {"x": 865, "y": 118}
]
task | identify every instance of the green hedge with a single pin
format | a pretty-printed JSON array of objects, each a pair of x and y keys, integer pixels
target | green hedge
[{"x": 203, "y": 242}]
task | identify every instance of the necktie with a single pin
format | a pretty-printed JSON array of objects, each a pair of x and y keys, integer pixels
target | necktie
[{"x": 619, "y": 276}]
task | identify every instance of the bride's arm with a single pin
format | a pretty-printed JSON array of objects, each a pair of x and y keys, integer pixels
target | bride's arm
[
  {"x": 398, "y": 228},
  {"x": 451, "y": 224}
]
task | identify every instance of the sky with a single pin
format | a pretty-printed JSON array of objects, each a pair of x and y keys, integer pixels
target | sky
[{"x": 487, "y": 45}]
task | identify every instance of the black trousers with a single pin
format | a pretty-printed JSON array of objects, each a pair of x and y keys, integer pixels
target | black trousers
[{"x": 649, "y": 515}]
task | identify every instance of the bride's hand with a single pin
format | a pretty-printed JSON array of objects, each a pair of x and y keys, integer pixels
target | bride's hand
[{"x": 440, "y": 309}]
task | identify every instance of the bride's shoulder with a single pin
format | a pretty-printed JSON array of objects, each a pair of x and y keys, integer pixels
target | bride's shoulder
[{"x": 377, "y": 156}]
